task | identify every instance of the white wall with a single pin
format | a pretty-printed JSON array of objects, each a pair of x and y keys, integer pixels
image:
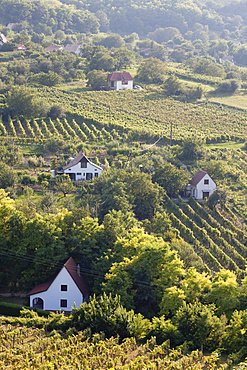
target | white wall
[
  {"x": 201, "y": 187},
  {"x": 80, "y": 173},
  {"x": 119, "y": 86},
  {"x": 53, "y": 295}
]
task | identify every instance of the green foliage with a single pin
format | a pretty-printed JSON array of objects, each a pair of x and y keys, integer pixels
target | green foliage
[
  {"x": 11, "y": 309},
  {"x": 229, "y": 86},
  {"x": 23, "y": 101},
  {"x": 172, "y": 179},
  {"x": 152, "y": 70},
  {"x": 96, "y": 79},
  {"x": 126, "y": 191},
  {"x": 47, "y": 79},
  {"x": 199, "y": 325},
  {"x": 64, "y": 184},
  {"x": 108, "y": 315},
  {"x": 192, "y": 149}
]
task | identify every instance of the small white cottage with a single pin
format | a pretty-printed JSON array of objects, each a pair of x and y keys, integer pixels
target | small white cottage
[
  {"x": 120, "y": 81},
  {"x": 201, "y": 186},
  {"x": 81, "y": 168},
  {"x": 60, "y": 294}
]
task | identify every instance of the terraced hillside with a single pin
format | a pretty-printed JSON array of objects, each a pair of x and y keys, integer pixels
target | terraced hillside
[
  {"x": 152, "y": 112},
  {"x": 215, "y": 238}
]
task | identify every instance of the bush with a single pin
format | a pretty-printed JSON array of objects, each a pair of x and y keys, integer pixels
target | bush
[{"x": 11, "y": 309}]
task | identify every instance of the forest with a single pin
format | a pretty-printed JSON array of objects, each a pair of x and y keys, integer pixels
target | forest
[{"x": 167, "y": 274}]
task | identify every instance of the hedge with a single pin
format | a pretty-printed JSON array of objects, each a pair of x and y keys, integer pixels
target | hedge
[{"x": 11, "y": 309}]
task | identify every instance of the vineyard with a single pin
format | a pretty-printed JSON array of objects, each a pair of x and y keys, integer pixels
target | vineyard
[
  {"x": 30, "y": 348},
  {"x": 215, "y": 237},
  {"x": 138, "y": 115},
  {"x": 40, "y": 129},
  {"x": 152, "y": 112}
]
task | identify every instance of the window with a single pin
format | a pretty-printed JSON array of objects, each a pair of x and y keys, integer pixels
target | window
[
  {"x": 206, "y": 182},
  {"x": 112, "y": 83},
  {"x": 64, "y": 288},
  {"x": 96, "y": 174},
  {"x": 124, "y": 82},
  {"x": 83, "y": 164},
  {"x": 63, "y": 302},
  {"x": 78, "y": 173}
]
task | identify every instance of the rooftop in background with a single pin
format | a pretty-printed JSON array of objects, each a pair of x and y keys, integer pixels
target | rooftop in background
[
  {"x": 119, "y": 76},
  {"x": 52, "y": 48}
]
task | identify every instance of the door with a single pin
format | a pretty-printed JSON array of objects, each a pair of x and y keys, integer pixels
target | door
[
  {"x": 205, "y": 194},
  {"x": 89, "y": 176},
  {"x": 72, "y": 176},
  {"x": 38, "y": 303}
]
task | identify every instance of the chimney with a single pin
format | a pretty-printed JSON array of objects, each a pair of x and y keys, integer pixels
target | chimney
[{"x": 78, "y": 270}]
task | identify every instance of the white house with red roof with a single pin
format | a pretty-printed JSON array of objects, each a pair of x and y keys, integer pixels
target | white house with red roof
[
  {"x": 61, "y": 293},
  {"x": 120, "y": 81},
  {"x": 81, "y": 168},
  {"x": 201, "y": 186}
]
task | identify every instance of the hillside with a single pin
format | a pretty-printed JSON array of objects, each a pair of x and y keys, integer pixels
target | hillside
[{"x": 166, "y": 274}]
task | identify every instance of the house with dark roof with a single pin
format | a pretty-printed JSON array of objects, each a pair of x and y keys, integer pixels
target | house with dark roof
[
  {"x": 81, "y": 168},
  {"x": 60, "y": 294},
  {"x": 120, "y": 81},
  {"x": 201, "y": 186}
]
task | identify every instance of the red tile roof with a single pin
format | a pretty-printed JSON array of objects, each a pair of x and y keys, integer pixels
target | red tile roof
[
  {"x": 197, "y": 177},
  {"x": 71, "y": 267},
  {"x": 77, "y": 159},
  {"x": 41, "y": 287},
  {"x": 119, "y": 76}
]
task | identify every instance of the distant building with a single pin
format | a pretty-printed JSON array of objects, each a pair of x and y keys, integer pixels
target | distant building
[
  {"x": 11, "y": 26},
  {"x": 81, "y": 168},
  {"x": 3, "y": 39},
  {"x": 52, "y": 48},
  {"x": 73, "y": 48},
  {"x": 201, "y": 186},
  {"x": 228, "y": 58},
  {"x": 20, "y": 47},
  {"x": 60, "y": 294},
  {"x": 120, "y": 81}
]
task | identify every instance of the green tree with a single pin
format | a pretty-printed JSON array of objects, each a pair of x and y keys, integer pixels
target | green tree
[
  {"x": 102, "y": 60},
  {"x": 172, "y": 179},
  {"x": 54, "y": 145},
  {"x": 152, "y": 70},
  {"x": 96, "y": 79},
  {"x": 199, "y": 325},
  {"x": 172, "y": 86},
  {"x": 113, "y": 41},
  {"x": 64, "y": 184},
  {"x": 192, "y": 149},
  {"x": 48, "y": 79},
  {"x": 224, "y": 292},
  {"x": 56, "y": 111},
  {"x": 8, "y": 177},
  {"x": 23, "y": 101}
]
